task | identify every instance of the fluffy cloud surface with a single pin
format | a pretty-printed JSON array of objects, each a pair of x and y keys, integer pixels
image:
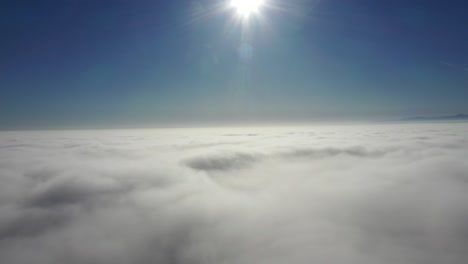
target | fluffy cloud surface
[{"x": 395, "y": 193}]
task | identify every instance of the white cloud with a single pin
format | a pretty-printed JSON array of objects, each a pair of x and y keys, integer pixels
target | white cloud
[{"x": 326, "y": 194}]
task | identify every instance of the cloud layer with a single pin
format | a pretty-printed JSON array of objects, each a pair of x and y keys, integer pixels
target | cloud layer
[{"x": 326, "y": 194}]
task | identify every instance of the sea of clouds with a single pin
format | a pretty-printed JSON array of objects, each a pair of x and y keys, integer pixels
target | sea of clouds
[{"x": 363, "y": 194}]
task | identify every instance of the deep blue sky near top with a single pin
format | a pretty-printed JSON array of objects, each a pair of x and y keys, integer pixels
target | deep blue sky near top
[{"x": 85, "y": 63}]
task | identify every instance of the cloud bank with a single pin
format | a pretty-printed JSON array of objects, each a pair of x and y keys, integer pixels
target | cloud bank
[{"x": 327, "y": 194}]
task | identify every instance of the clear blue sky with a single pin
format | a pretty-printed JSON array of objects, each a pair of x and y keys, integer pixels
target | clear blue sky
[{"x": 80, "y": 63}]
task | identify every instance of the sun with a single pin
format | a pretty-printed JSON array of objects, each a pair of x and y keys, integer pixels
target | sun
[{"x": 246, "y": 7}]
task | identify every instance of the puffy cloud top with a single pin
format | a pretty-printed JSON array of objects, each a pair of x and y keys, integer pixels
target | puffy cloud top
[{"x": 326, "y": 194}]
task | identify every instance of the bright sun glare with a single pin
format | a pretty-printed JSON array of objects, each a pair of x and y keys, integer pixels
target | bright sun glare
[{"x": 246, "y": 7}]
